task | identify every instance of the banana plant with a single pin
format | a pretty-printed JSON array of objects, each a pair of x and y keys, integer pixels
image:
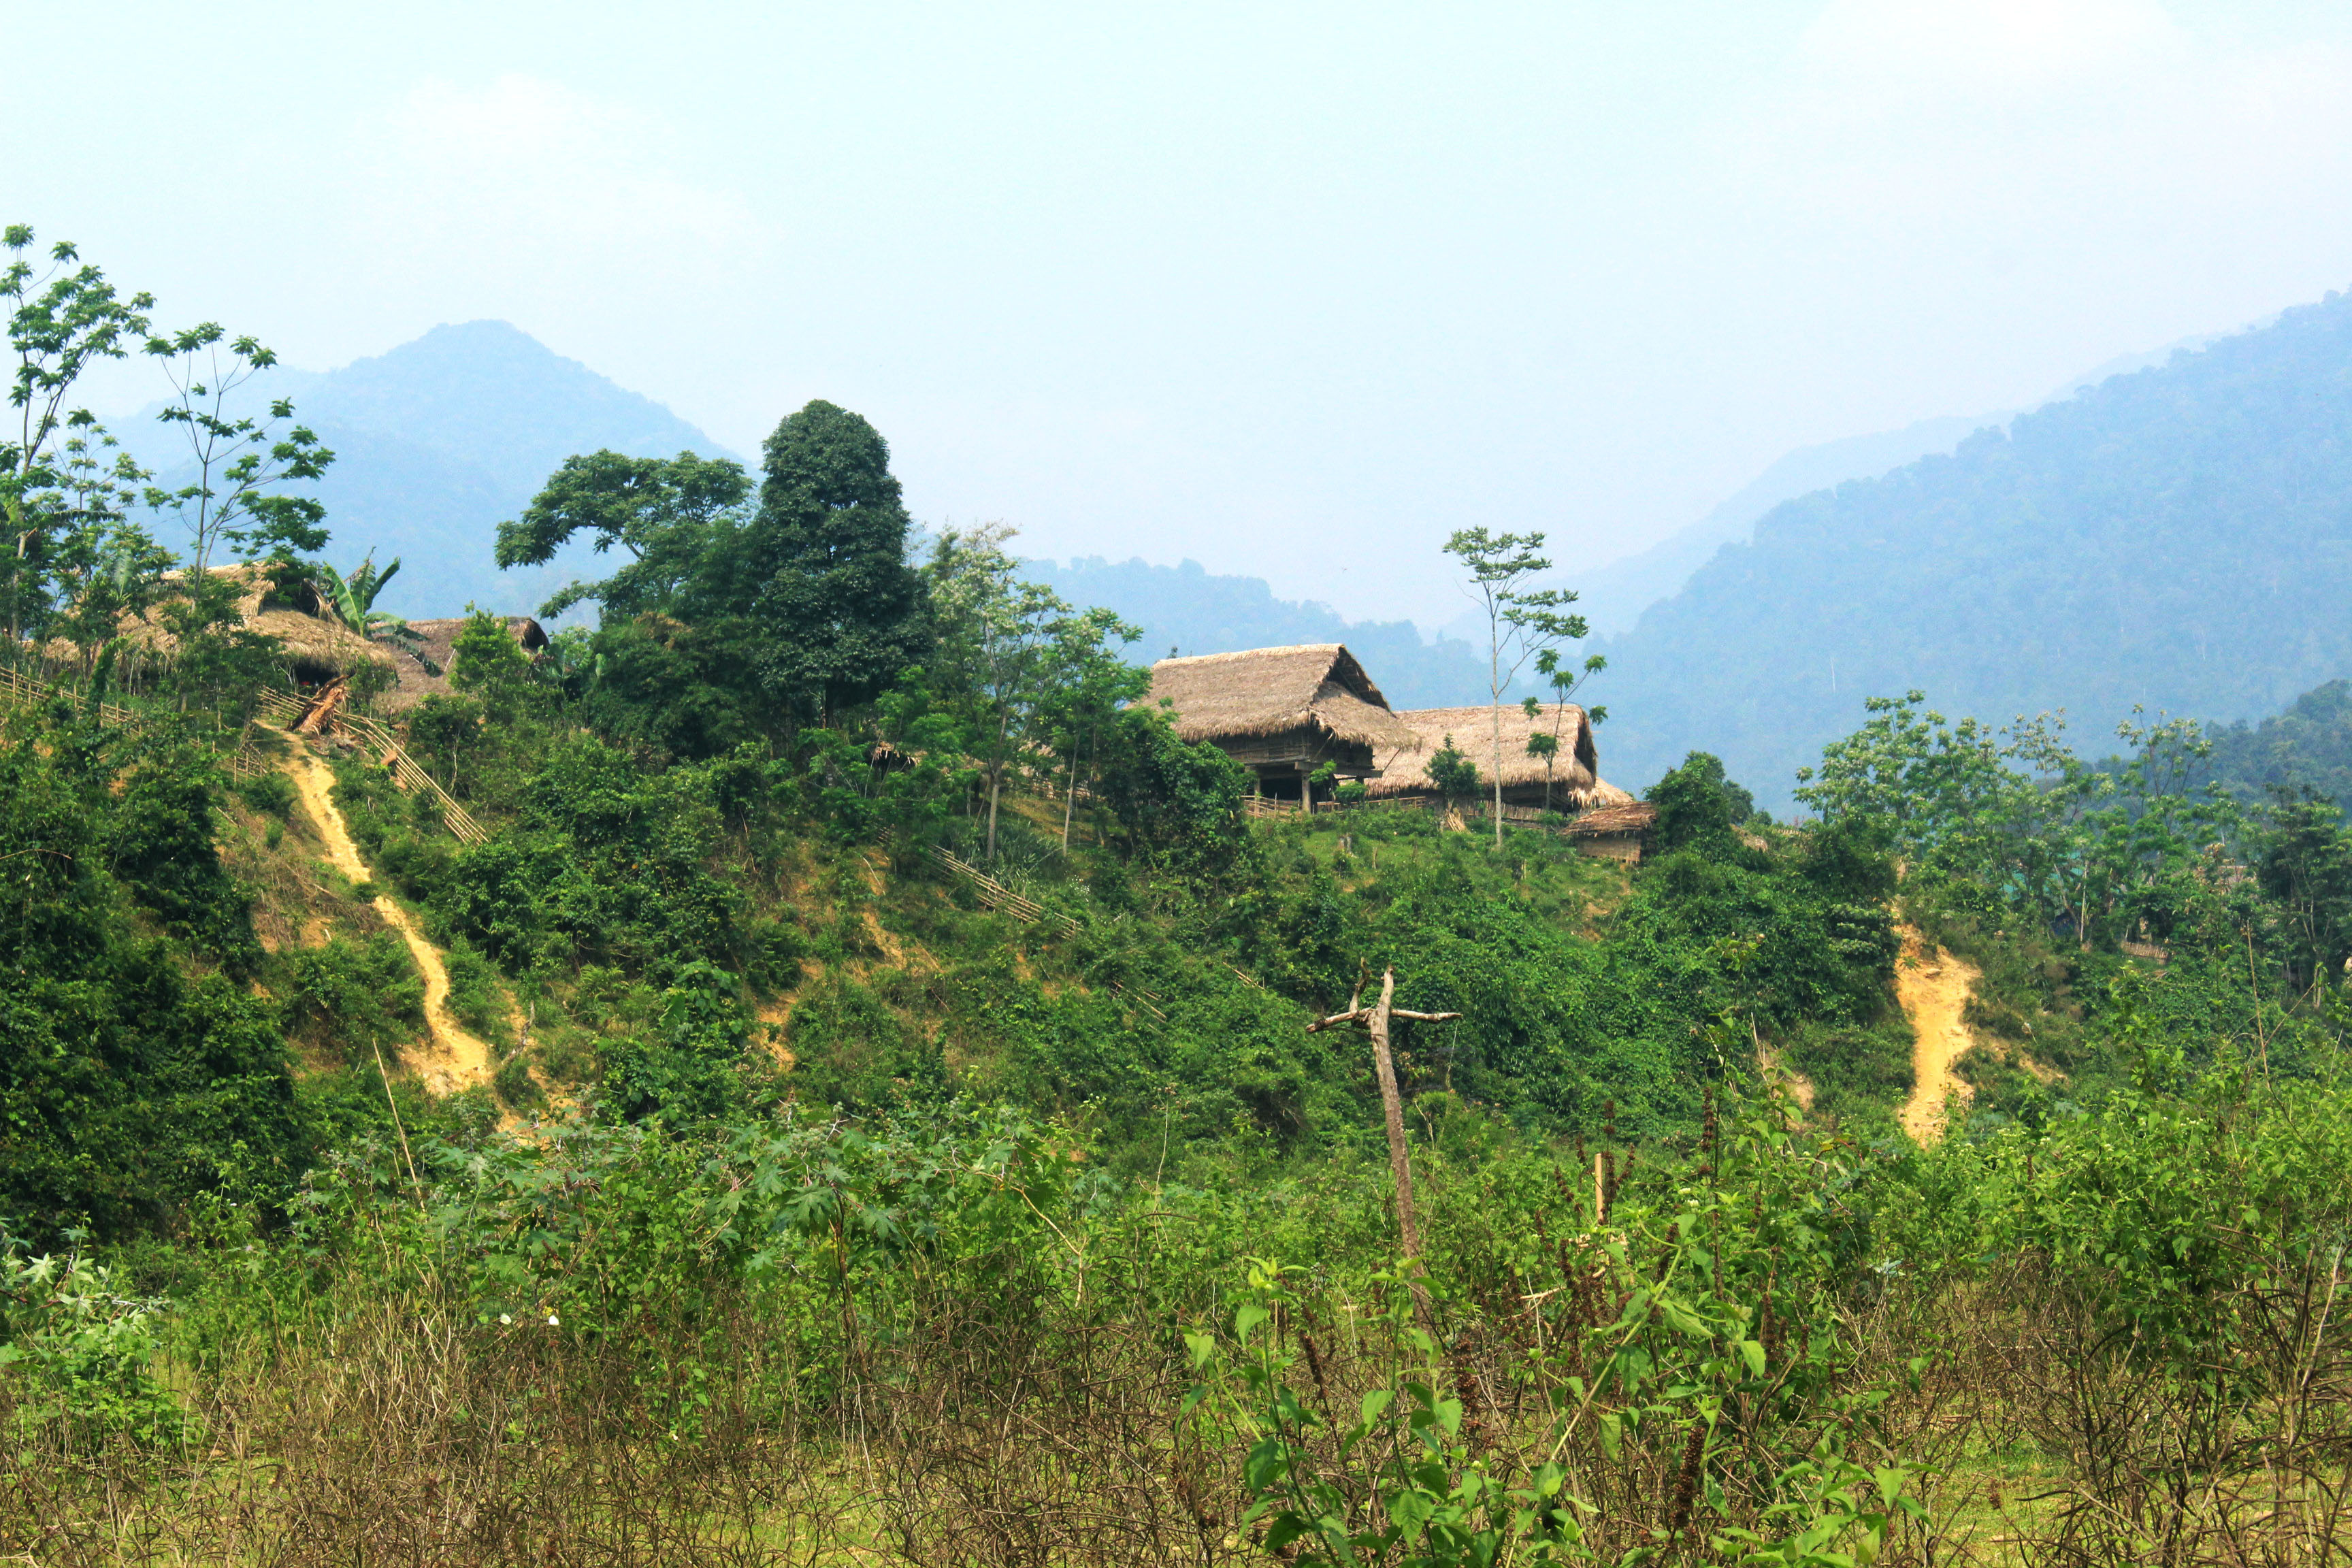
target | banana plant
[{"x": 352, "y": 600}]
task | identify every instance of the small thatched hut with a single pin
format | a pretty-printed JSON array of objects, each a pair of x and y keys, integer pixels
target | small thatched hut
[
  {"x": 1575, "y": 771},
  {"x": 1283, "y": 713},
  {"x": 318, "y": 647},
  {"x": 437, "y": 643},
  {"x": 1618, "y": 832}
]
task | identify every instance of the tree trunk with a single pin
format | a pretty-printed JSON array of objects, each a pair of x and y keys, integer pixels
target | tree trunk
[
  {"x": 1498, "y": 768},
  {"x": 996, "y": 779},
  {"x": 1071, "y": 804},
  {"x": 1399, "y": 1165}
]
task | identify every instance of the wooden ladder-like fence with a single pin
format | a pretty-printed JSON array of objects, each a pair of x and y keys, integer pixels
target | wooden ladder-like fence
[
  {"x": 995, "y": 895},
  {"x": 389, "y": 753},
  {"x": 243, "y": 763}
]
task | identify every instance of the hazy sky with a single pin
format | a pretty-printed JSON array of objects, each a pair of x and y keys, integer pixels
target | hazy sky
[{"x": 1294, "y": 290}]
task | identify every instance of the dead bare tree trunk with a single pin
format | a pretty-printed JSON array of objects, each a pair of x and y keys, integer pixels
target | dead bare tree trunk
[{"x": 1375, "y": 1020}]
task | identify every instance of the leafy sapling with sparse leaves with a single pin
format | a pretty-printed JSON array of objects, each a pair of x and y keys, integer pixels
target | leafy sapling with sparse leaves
[
  {"x": 236, "y": 458},
  {"x": 1521, "y": 622},
  {"x": 54, "y": 478}
]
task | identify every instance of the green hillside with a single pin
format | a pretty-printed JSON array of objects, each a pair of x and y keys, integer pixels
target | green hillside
[
  {"x": 2307, "y": 748},
  {"x": 808, "y": 1071},
  {"x": 2180, "y": 538}
]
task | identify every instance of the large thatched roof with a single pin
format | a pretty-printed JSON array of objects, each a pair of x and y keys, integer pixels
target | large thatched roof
[
  {"x": 327, "y": 647},
  {"x": 1267, "y": 691},
  {"x": 1576, "y": 782},
  {"x": 437, "y": 642}
]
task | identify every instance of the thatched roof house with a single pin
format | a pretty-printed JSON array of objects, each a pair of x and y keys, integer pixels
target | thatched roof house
[
  {"x": 1282, "y": 712},
  {"x": 318, "y": 647},
  {"x": 1575, "y": 772},
  {"x": 437, "y": 643}
]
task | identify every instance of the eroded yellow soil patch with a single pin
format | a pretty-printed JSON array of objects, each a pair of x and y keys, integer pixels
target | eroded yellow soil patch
[{"x": 1934, "y": 992}]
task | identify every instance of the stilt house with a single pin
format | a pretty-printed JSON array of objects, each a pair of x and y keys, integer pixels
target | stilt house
[{"x": 1283, "y": 713}]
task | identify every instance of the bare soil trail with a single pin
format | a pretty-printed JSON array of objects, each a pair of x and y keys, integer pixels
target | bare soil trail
[
  {"x": 1934, "y": 992},
  {"x": 458, "y": 1060}
]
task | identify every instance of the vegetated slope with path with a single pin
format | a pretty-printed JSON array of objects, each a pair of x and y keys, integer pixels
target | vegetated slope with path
[
  {"x": 1934, "y": 992},
  {"x": 458, "y": 1060}
]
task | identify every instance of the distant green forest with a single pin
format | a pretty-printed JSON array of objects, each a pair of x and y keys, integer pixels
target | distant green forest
[
  {"x": 2308, "y": 747},
  {"x": 2180, "y": 538}
]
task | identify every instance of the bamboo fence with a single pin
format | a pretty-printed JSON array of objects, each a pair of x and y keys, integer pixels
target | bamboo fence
[
  {"x": 244, "y": 763},
  {"x": 390, "y": 753}
]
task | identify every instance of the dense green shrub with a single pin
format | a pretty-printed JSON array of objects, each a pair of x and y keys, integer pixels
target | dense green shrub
[
  {"x": 354, "y": 998},
  {"x": 77, "y": 1351},
  {"x": 126, "y": 1083},
  {"x": 271, "y": 794}
]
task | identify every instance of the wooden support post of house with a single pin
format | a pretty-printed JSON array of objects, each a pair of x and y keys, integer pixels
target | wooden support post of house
[{"x": 1376, "y": 1024}]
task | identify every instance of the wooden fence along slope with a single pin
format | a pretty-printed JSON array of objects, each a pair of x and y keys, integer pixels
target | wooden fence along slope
[
  {"x": 995, "y": 895},
  {"x": 244, "y": 763},
  {"x": 389, "y": 753}
]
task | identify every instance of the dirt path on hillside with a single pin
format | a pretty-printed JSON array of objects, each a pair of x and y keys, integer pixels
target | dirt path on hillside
[
  {"x": 457, "y": 1059},
  {"x": 1933, "y": 992}
]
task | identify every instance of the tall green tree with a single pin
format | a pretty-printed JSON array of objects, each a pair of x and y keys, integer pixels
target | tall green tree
[
  {"x": 665, "y": 513},
  {"x": 1521, "y": 622},
  {"x": 1086, "y": 684},
  {"x": 836, "y": 609},
  {"x": 99, "y": 565},
  {"x": 993, "y": 641}
]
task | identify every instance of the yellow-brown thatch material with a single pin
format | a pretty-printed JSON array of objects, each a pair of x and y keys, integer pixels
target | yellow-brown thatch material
[
  {"x": 1576, "y": 783},
  {"x": 437, "y": 643},
  {"x": 1267, "y": 691},
  {"x": 1626, "y": 817},
  {"x": 328, "y": 647}
]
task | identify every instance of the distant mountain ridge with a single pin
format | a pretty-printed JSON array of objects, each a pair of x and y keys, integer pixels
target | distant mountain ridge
[
  {"x": 2180, "y": 537},
  {"x": 1187, "y": 609},
  {"x": 1613, "y": 596},
  {"x": 438, "y": 441}
]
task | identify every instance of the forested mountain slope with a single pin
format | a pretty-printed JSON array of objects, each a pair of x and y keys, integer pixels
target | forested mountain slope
[
  {"x": 2308, "y": 747},
  {"x": 1613, "y": 596},
  {"x": 2180, "y": 538}
]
